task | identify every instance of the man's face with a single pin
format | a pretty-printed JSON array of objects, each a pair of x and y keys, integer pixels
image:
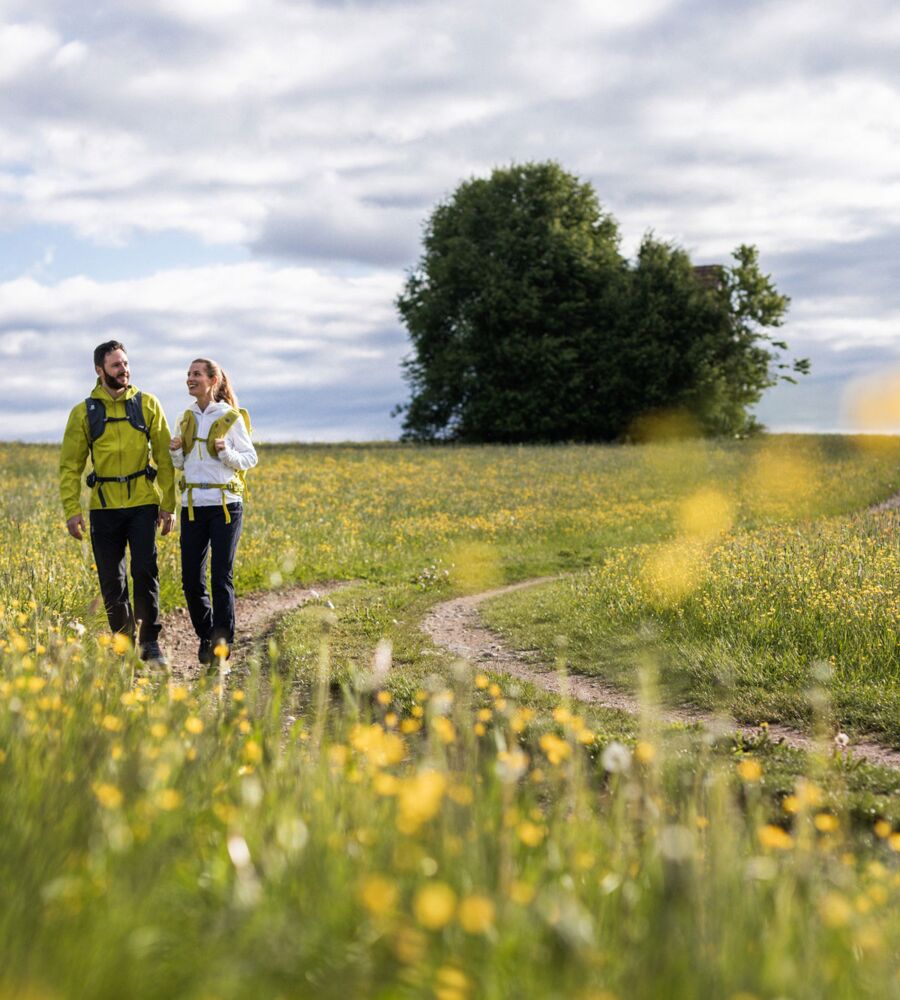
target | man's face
[{"x": 115, "y": 373}]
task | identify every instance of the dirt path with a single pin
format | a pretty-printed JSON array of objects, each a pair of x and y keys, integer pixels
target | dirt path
[
  {"x": 256, "y": 616},
  {"x": 456, "y": 625}
]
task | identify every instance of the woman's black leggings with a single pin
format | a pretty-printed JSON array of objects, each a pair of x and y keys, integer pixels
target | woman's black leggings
[{"x": 208, "y": 531}]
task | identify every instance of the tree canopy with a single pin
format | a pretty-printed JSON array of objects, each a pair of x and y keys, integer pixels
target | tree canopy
[{"x": 528, "y": 324}]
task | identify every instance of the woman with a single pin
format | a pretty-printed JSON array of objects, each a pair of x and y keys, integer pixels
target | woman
[{"x": 214, "y": 449}]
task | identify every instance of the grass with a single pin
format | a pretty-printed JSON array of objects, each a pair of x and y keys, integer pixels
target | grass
[
  {"x": 316, "y": 828},
  {"x": 762, "y": 612}
]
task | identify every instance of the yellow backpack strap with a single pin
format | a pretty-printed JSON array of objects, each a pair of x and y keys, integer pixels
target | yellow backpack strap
[
  {"x": 188, "y": 428},
  {"x": 221, "y": 426},
  {"x": 246, "y": 417}
]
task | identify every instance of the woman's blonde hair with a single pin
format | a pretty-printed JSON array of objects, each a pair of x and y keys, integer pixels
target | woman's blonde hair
[{"x": 223, "y": 391}]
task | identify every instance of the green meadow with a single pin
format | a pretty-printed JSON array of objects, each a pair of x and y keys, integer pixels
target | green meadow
[{"x": 356, "y": 813}]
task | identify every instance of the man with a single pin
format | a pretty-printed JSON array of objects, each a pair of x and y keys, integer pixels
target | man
[{"x": 121, "y": 428}]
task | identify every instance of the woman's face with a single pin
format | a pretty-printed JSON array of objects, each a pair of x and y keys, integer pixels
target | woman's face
[{"x": 199, "y": 384}]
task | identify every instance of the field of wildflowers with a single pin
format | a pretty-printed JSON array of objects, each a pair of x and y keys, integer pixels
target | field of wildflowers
[{"x": 356, "y": 815}]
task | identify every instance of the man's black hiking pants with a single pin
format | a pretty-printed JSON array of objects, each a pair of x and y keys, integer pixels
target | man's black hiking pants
[{"x": 114, "y": 529}]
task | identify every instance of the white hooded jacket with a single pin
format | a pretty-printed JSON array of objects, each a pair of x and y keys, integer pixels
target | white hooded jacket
[{"x": 200, "y": 467}]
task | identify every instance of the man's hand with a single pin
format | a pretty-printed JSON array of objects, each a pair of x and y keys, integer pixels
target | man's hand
[
  {"x": 165, "y": 521},
  {"x": 175, "y": 444},
  {"x": 220, "y": 444},
  {"x": 76, "y": 526}
]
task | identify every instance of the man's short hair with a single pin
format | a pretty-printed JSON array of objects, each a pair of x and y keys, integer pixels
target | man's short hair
[{"x": 107, "y": 347}]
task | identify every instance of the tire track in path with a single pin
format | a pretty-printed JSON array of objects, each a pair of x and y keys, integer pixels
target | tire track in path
[{"x": 456, "y": 625}]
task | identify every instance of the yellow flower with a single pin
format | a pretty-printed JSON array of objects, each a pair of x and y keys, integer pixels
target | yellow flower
[
  {"x": 826, "y": 822},
  {"x": 444, "y": 728},
  {"x": 530, "y": 833},
  {"x": 644, "y": 752},
  {"x": 379, "y": 747},
  {"x": 112, "y": 723},
  {"x": 556, "y": 749},
  {"x": 121, "y": 644},
  {"x": 750, "y": 770},
  {"x": 178, "y": 692},
  {"x": 252, "y": 752},
  {"x": 169, "y": 799},
  {"x": 521, "y": 892},
  {"x": 775, "y": 837},
  {"x": 221, "y": 651},
  {"x": 476, "y": 914},
  {"x": 434, "y": 905},
  {"x": 383, "y": 698},
  {"x": 108, "y": 796},
  {"x": 481, "y": 681},
  {"x": 378, "y": 894},
  {"x": 193, "y": 724},
  {"x": 835, "y": 910},
  {"x": 419, "y": 799},
  {"x": 386, "y": 784},
  {"x": 883, "y": 829},
  {"x": 410, "y": 726}
]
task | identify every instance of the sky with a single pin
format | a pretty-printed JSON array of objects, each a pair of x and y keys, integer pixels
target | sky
[{"x": 248, "y": 180}]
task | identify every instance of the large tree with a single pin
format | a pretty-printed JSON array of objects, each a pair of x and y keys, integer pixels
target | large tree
[{"x": 528, "y": 324}]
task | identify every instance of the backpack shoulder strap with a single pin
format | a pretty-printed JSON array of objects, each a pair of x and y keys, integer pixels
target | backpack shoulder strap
[
  {"x": 246, "y": 417},
  {"x": 188, "y": 427},
  {"x": 134, "y": 412},
  {"x": 220, "y": 427},
  {"x": 96, "y": 418}
]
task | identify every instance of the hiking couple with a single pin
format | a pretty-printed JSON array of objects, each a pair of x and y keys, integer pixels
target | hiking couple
[{"x": 132, "y": 486}]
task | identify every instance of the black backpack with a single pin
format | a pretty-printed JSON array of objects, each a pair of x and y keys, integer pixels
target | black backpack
[{"x": 97, "y": 421}]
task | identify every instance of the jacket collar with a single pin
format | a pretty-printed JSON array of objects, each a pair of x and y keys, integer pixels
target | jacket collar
[{"x": 215, "y": 407}]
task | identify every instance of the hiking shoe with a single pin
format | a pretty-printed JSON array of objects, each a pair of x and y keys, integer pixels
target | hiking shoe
[
  {"x": 151, "y": 653},
  {"x": 205, "y": 653}
]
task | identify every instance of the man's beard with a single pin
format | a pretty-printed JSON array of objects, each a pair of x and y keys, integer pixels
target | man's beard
[{"x": 112, "y": 381}]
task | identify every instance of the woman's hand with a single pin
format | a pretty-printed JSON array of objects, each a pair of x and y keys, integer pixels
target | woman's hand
[
  {"x": 220, "y": 444},
  {"x": 175, "y": 444}
]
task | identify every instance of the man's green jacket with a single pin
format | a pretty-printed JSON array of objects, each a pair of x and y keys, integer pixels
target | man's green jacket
[{"x": 119, "y": 451}]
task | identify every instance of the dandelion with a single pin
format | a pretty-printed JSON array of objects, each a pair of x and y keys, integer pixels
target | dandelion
[
  {"x": 883, "y": 829},
  {"x": 193, "y": 725},
  {"x": 644, "y": 752},
  {"x": 530, "y": 833},
  {"x": 835, "y": 910},
  {"x": 121, "y": 643},
  {"x": 112, "y": 723},
  {"x": 476, "y": 914},
  {"x": 826, "y": 822},
  {"x": 444, "y": 728},
  {"x": 750, "y": 770},
  {"x": 108, "y": 796},
  {"x": 434, "y": 905},
  {"x": 169, "y": 799},
  {"x": 378, "y": 894},
  {"x": 616, "y": 758},
  {"x": 774, "y": 837},
  {"x": 556, "y": 749},
  {"x": 521, "y": 893}
]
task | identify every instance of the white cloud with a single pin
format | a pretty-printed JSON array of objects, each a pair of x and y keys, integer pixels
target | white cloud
[
  {"x": 22, "y": 45},
  {"x": 281, "y": 331},
  {"x": 322, "y": 133}
]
